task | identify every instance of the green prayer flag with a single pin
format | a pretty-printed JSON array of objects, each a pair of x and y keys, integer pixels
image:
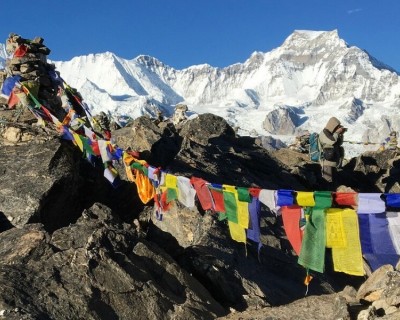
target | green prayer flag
[
  {"x": 243, "y": 194},
  {"x": 137, "y": 165},
  {"x": 323, "y": 199},
  {"x": 312, "y": 253},
  {"x": 230, "y": 206},
  {"x": 171, "y": 195},
  {"x": 86, "y": 145}
]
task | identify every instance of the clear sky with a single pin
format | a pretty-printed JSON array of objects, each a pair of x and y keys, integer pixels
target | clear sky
[{"x": 182, "y": 33}]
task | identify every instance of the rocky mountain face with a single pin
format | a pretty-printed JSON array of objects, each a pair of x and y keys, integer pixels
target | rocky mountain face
[{"x": 72, "y": 246}]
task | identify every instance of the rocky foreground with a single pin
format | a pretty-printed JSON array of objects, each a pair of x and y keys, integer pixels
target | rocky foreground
[{"x": 73, "y": 247}]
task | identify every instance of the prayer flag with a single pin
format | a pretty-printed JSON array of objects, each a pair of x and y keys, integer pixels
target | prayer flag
[
  {"x": 312, "y": 254},
  {"x": 291, "y": 222},
  {"x": 305, "y": 199}
]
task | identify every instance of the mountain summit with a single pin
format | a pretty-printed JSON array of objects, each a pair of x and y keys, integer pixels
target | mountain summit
[{"x": 312, "y": 76}]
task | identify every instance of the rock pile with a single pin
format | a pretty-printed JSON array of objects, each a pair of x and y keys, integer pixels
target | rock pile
[{"x": 28, "y": 66}]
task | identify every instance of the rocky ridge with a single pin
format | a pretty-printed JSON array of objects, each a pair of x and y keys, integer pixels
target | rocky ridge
[{"x": 74, "y": 247}]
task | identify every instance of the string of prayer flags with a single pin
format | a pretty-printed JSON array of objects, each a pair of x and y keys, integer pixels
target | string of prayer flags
[{"x": 379, "y": 231}]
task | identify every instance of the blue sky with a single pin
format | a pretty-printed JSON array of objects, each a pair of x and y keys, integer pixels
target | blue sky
[{"x": 182, "y": 33}]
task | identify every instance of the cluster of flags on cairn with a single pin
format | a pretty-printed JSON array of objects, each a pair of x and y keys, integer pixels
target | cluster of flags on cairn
[{"x": 353, "y": 225}]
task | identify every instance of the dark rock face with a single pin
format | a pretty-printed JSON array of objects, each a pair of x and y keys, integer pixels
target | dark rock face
[
  {"x": 39, "y": 181},
  {"x": 97, "y": 268},
  {"x": 73, "y": 247}
]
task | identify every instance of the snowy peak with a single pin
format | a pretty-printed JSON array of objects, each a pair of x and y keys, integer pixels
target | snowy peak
[
  {"x": 149, "y": 62},
  {"x": 311, "y": 40}
]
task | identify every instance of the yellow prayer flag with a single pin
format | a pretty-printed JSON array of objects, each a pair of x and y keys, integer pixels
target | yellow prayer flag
[
  {"x": 237, "y": 232},
  {"x": 228, "y": 188},
  {"x": 78, "y": 140},
  {"x": 349, "y": 259},
  {"x": 305, "y": 199},
  {"x": 242, "y": 213},
  {"x": 171, "y": 181},
  {"x": 335, "y": 236}
]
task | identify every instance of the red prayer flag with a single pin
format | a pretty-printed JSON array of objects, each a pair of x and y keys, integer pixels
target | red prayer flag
[
  {"x": 218, "y": 197},
  {"x": 255, "y": 192},
  {"x": 291, "y": 216},
  {"x": 203, "y": 193},
  {"x": 12, "y": 100},
  {"x": 20, "y": 51},
  {"x": 345, "y": 198}
]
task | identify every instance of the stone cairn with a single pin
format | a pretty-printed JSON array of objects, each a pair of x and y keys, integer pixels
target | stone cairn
[{"x": 29, "y": 61}]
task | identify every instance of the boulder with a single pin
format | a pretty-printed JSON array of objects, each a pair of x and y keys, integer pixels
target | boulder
[{"x": 373, "y": 288}]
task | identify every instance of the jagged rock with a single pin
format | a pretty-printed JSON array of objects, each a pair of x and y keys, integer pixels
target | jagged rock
[
  {"x": 373, "y": 288},
  {"x": 356, "y": 109},
  {"x": 281, "y": 121},
  {"x": 205, "y": 127},
  {"x": 270, "y": 143}
]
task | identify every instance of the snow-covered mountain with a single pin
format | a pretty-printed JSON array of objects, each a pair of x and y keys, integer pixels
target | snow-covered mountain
[{"x": 312, "y": 76}]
